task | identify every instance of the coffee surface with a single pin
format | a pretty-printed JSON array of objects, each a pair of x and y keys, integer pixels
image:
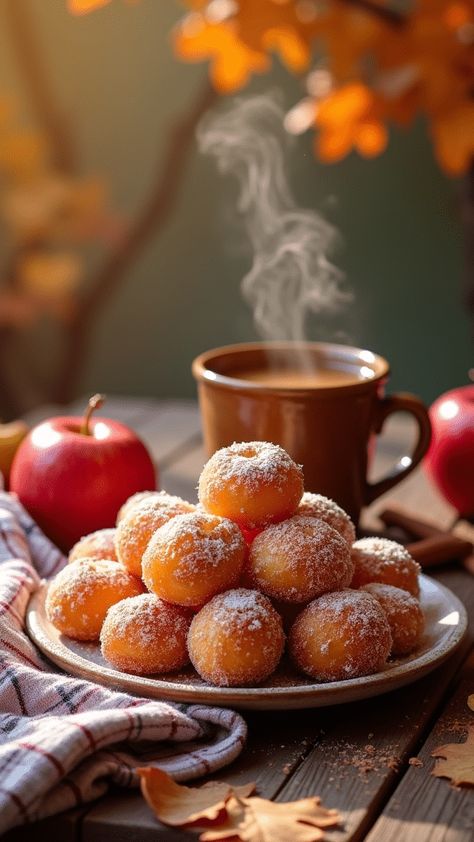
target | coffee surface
[{"x": 297, "y": 378}]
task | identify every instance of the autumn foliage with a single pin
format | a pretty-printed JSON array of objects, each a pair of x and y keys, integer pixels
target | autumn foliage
[{"x": 367, "y": 65}]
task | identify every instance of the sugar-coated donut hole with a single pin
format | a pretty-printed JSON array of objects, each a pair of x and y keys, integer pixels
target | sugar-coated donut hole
[
  {"x": 384, "y": 561},
  {"x": 80, "y": 595},
  {"x": 404, "y": 615},
  {"x": 144, "y": 634},
  {"x": 341, "y": 635},
  {"x": 323, "y": 508},
  {"x": 299, "y": 559},
  {"x": 135, "y": 499},
  {"x": 140, "y": 523},
  {"x": 252, "y": 483},
  {"x": 236, "y": 639},
  {"x": 99, "y": 544},
  {"x": 193, "y": 557}
]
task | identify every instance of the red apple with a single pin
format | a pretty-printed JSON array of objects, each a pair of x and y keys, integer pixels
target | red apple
[
  {"x": 450, "y": 459},
  {"x": 74, "y": 474}
]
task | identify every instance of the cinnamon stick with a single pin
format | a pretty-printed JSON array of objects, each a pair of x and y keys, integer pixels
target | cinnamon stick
[
  {"x": 412, "y": 525},
  {"x": 437, "y": 549}
]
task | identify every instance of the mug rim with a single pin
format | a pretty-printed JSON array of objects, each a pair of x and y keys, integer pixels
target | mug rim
[{"x": 202, "y": 371}]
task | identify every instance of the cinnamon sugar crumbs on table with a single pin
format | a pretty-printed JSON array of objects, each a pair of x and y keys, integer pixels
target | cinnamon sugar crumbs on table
[{"x": 366, "y": 760}]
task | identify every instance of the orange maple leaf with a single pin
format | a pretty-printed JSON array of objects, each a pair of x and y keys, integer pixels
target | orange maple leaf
[
  {"x": 231, "y": 62},
  {"x": 238, "y": 44},
  {"x": 349, "y": 118},
  {"x": 456, "y": 761},
  {"x": 259, "y": 820},
  {"x": 181, "y": 806}
]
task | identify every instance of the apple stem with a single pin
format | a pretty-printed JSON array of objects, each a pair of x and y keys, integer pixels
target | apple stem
[{"x": 95, "y": 402}]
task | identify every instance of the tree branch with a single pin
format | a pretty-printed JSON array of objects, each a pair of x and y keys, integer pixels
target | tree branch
[
  {"x": 153, "y": 216},
  {"x": 35, "y": 77},
  {"x": 385, "y": 13}
]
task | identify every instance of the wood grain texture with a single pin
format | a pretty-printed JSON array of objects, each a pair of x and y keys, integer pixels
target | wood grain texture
[
  {"x": 275, "y": 748},
  {"x": 393, "y": 725},
  {"x": 65, "y": 827},
  {"x": 428, "y": 809}
]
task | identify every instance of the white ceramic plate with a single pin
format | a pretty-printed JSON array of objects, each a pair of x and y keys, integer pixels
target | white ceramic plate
[{"x": 446, "y": 623}]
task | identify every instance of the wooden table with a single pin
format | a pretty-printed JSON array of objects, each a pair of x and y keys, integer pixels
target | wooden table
[{"x": 358, "y": 758}]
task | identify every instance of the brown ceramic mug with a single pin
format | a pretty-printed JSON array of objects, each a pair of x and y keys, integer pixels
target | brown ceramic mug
[{"x": 324, "y": 403}]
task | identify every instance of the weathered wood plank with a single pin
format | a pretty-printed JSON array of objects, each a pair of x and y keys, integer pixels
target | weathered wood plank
[
  {"x": 277, "y": 743},
  {"x": 381, "y": 733},
  {"x": 64, "y": 827},
  {"x": 428, "y": 809}
]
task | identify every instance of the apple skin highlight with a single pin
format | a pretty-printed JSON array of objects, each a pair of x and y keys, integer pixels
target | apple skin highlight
[
  {"x": 73, "y": 483},
  {"x": 450, "y": 459}
]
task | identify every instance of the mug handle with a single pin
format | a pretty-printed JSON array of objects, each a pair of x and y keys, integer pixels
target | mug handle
[{"x": 402, "y": 402}]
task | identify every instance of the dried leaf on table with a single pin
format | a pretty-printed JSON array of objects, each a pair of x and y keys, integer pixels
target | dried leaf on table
[
  {"x": 259, "y": 820},
  {"x": 456, "y": 761},
  {"x": 183, "y": 805}
]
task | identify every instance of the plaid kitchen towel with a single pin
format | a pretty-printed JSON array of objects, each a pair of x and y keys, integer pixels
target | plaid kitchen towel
[{"x": 59, "y": 735}]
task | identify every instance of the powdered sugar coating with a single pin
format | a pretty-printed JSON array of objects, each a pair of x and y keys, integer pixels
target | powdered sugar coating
[
  {"x": 323, "y": 508},
  {"x": 140, "y": 523},
  {"x": 299, "y": 559},
  {"x": 80, "y": 595},
  {"x": 133, "y": 500},
  {"x": 253, "y": 483},
  {"x": 384, "y": 561},
  {"x": 341, "y": 635},
  {"x": 143, "y": 635},
  {"x": 236, "y": 639},
  {"x": 100, "y": 544},
  {"x": 404, "y": 615},
  {"x": 193, "y": 557}
]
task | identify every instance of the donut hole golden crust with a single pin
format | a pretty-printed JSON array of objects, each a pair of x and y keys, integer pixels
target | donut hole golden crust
[
  {"x": 404, "y": 615},
  {"x": 100, "y": 544},
  {"x": 141, "y": 522},
  {"x": 145, "y": 635},
  {"x": 252, "y": 483},
  {"x": 237, "y": 639},
  {"x": 299, "y": 559},
  {"x": 316, "y": 505},
  {"x": 384, "y": 561},
  {"x": 133, "y": 500},
  {"x": 193, "y": 557},
  {"x": 341, "y": 635},
  {"x": 80, "y": 595}
]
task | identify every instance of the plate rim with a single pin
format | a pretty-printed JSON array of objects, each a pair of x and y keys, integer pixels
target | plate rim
[{"x": 264, "y": 698}]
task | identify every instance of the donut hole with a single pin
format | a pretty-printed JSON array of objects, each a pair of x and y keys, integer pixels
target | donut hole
[
  {"x": 236, "y": 639},
  {"x": 80, "y": 595},
  {"x": 341, "y": 635},
  {"x": 193, "y": 557}
]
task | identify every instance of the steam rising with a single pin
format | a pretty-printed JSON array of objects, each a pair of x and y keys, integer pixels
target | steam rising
[{"x": 291, "y": 274}]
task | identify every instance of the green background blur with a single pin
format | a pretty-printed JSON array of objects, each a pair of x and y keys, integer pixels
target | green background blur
[{"x": 399, "y": 217}]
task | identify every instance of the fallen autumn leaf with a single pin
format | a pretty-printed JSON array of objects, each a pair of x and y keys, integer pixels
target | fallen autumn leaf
[
  {"x": 456, "y": 761},
  {"x": 259, "y": 820},
  {"x": 181, "y": 806}
]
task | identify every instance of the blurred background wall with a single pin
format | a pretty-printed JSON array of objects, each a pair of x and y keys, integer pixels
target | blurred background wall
[{"x": 116, "y": 79}]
